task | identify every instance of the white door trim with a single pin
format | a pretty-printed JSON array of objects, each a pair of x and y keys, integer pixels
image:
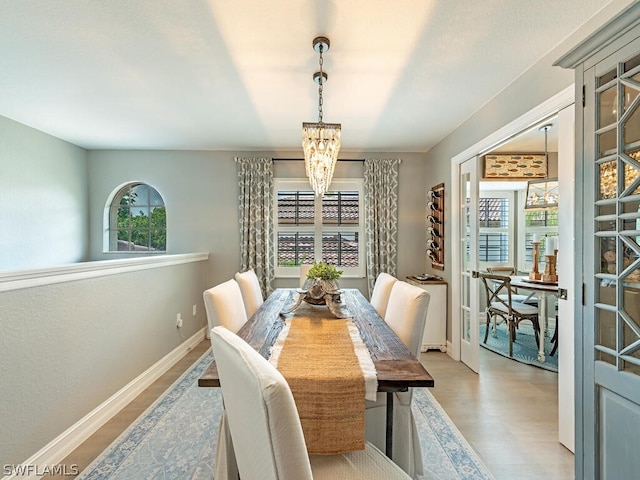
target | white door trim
[{"x": 553, "y": 105}]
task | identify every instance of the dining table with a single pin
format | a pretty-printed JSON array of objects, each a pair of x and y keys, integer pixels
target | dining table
[
  {"x": 542, "y": 289},
  {"x": 396, "y": 369}
]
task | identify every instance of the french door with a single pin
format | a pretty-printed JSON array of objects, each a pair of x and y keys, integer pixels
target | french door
[
  {"x": 610, "y": 403},
  {"x": 468, "y": 228}
]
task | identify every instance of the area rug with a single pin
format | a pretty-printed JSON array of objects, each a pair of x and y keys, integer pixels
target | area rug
[
  {"x": 525, "y": 348},
  {"x": 175, "y": 438}
]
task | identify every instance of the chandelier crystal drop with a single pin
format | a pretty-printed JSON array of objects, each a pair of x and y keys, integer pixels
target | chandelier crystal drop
[{"x": 320, "y": 141}]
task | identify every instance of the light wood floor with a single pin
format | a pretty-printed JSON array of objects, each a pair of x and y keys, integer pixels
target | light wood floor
[{"x": 508, "y": 414}]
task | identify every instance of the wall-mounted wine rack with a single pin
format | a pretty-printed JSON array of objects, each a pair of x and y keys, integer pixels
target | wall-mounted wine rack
[{"x": 435, "y": 226}]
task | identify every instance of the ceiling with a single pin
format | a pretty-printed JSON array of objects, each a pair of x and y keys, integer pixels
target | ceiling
[{"x": 237, "y": 75}]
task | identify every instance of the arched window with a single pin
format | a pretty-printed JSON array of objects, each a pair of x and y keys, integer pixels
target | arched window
[{"x": 137, "y": 219}]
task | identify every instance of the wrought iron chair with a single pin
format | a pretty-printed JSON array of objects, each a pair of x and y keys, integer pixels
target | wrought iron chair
[{"x": 500, "y": 303}]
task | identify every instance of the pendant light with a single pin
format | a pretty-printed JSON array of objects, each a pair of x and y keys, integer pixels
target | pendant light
[{"x": 320, "y": 141}]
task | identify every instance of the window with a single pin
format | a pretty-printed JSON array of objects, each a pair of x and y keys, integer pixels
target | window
[
  {"x": 310, "y": 229},
  {"x": 137, "y": 220},
  {"x": 496, "y": 232},
  {"x": 541, "y": 222}
]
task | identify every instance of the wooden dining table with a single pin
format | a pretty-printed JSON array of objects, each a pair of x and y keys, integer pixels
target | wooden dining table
[
  {"x": 396, "y": 369},
  {"x": 542, "y": 289}
]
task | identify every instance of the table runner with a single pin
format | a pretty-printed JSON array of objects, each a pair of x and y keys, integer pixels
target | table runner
[{"x": 330, "y": 372}]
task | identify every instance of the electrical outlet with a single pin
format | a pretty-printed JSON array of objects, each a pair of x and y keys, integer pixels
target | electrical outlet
[
  {"x": 194, "y": 310},
  {"x": 179, "y": 321}
]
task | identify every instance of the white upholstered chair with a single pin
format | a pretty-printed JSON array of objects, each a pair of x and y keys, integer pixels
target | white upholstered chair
[
  {"x": 224, "y": 306},
  {"x": 262, "y": 418},
  {"x": 381, "y": 291},
  {"x": 304, "y": 269},
  {"x": 406, "y": 315},
  {"x": 251, "y": 293}
]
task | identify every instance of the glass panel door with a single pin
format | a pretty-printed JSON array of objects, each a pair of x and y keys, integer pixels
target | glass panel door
[
  {"x": 469, "y": 304},
  {"x": 611, "y": 316}
]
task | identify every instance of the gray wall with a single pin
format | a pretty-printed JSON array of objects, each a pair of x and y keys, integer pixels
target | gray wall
[
  {"x": 43, "y": 199},
  {"x": 541, "y": 82},
  {"x": 65, "y": 348},
  {"x": 200, "y": 191},
  {"x": 538, "y": 84}
]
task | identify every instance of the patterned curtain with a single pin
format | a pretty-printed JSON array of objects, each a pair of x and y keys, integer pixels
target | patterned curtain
[
  {"x": 255, "y": 185},
  {"x": 381, "y": 217}
]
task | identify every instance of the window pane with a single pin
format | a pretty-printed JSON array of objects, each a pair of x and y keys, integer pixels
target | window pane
[
  {"x": 493, "y": 212},
  {"x": 158, "y": 217},
  {"x": 340, "y": 249},
  {"x": 295, "y": 248},
  {"x": 140, "y": 195},
  {"x": 494, "y": 247},
  {"x": 340, "y": 208},
  {"x": 140, "y": 239},
  {"x": 295, "y": 207},
  {"x": 541, "y": 218},
  {"x": 608, "y": 104},
  {"x": 123, "y": 242},
  {"x": 158, "y": 240},
  {"x": 155, "y": 198}
]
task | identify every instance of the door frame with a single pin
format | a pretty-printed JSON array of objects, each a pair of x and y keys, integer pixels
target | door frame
[
  {"x": 566, "y": 379},
  {"x": 548, "y": 108}
]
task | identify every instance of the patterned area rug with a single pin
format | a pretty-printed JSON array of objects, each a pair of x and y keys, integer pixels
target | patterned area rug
[
  {"x": 525, "y": 349},
  {"x": 175, "y": 438}
]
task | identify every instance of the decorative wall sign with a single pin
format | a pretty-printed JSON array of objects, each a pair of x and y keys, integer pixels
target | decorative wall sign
[
  {"x": 517, "y": 165},
  {"x": 435, "y": 226}
]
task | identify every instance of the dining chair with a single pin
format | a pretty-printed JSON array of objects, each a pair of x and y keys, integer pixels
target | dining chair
[
  {"x": 381, "y": 291},
  {"x": 304, "y": 269},
  {"x": 250, "y": 289},
  {"x": 265, "y": 426},
  {"x": 499, "y": 297},
  {"x": 224, "y": 306},
  {"x": 531, "y": 299},
  {"x": 406, "y": 314}
]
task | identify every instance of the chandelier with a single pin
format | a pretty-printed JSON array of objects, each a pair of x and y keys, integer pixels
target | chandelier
[{"x": 320, "y": 141}]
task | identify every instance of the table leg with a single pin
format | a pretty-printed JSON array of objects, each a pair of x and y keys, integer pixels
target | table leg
[
  {"x": 389, "y": 439},
  {"x": 542, "y": 321}
]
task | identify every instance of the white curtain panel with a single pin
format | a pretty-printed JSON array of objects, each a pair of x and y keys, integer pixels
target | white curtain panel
[
  {"x": 255, "y": 190},
  {"x": 381, "y": 217}
]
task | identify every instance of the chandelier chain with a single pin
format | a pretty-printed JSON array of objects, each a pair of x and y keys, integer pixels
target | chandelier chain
[{"x": 320, "y": 83}]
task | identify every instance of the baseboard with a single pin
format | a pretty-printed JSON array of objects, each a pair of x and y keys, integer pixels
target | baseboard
[{"x": 55, "y": 451}]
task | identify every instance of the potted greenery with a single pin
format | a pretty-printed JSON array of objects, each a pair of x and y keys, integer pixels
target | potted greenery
[
  {"x": 320, "y": 288},
  {"x": 324, "y": 271}
]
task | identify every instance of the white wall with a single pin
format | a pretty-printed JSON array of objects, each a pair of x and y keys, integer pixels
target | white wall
[{"x": 43, "y": 199}]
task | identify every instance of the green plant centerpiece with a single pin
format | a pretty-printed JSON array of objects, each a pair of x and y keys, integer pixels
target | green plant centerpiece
[{"x": 321, "y": 288}]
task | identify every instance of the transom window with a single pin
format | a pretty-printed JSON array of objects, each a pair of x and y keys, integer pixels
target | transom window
[
  {"x": 137, "y": 219},
  {"x": 328, "y": 229}
]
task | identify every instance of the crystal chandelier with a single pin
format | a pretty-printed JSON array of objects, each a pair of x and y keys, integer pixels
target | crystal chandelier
[{"x": 320, "y": 141}]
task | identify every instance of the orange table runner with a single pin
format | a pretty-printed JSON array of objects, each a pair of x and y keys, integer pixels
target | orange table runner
[{"x": 322, "y": 360}]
